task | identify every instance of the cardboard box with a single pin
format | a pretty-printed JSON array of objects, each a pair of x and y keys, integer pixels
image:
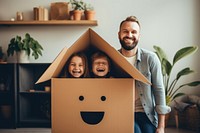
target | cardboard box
[{"x": 113, "y": 114}]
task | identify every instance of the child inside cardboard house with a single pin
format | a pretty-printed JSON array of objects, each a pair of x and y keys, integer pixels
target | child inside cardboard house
[
  {"x": 77, "y": 66},
  {"x": 100, "y": 65}
]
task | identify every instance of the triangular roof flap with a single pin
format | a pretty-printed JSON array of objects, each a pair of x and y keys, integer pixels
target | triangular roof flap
[
  {"x": 91, "y": 38},
  {"x": 56, "y": 66}
]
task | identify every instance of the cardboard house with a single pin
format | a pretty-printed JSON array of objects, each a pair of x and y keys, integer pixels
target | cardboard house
[{"x": 114, "y": 114}]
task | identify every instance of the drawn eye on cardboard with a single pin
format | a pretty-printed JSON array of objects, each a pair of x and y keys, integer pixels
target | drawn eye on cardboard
[{"x": 92, "y": 117}]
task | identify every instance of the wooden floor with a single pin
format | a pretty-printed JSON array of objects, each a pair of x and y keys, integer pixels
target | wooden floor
[{"x": 48, "y": 130}]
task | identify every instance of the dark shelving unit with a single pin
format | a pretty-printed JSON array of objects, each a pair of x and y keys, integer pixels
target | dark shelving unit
[
  {"x": 33, "y": 101},
  {"x": 8, "y": 117}
]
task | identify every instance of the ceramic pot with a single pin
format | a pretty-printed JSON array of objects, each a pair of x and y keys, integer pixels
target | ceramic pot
[
  {"x": 77, "y": 14},
  {"x": 89, "y": 15},
  {"x": 23, "y": 57}
]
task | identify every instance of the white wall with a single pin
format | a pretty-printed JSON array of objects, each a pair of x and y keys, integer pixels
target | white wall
[{"x": 170, "y": 24}]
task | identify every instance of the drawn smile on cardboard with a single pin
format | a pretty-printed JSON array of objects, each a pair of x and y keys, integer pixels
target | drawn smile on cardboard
[{"x": 92, "y": 117}]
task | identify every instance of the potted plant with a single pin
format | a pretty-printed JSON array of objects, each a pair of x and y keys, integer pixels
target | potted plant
[
  {"x": 77, "y": 8},
  {"x": 28, "y": 45},
  {"x": 171, "y": 89},
  {"x": 89, "y": 12}
]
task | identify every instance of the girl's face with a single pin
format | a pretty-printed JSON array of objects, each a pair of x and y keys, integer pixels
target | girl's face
[
  {"x": 76, "y": 67},
  {"x": 100, "y": 67}
]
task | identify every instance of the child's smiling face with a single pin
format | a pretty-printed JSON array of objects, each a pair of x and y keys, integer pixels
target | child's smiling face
[
  {"x": 76, "y": 67},
  {"x": 100, "y": 67}
]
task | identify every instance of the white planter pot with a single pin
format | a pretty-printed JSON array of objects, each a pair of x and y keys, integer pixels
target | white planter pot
[{"x": 22, "y": 57}]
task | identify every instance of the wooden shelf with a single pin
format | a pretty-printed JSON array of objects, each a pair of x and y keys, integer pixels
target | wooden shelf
[
  {"x": 50, "y": 22},
  {"x": 34, "y": 92}
]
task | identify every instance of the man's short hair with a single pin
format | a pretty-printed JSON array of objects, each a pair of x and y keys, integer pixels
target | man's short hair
[{"x": 130, "y": 19}]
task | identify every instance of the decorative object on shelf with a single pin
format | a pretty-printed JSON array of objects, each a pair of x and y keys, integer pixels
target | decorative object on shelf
[
  {"x": 40, "y": 13},
  {"x": 89, "y": 12},
  {"x": 170, "y": 87},
  {"x": 47, "y": 89},
  {"x": 59, "y": 11},
  {"x": 29, "y": 45},
  {"x": 77, "y": 9},
  {"x": 19, "y": 16},
  {"x": 12, "y": 19}
]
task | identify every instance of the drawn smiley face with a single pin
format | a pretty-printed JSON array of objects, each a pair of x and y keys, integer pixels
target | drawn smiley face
[{"x": 92, "y": 117}]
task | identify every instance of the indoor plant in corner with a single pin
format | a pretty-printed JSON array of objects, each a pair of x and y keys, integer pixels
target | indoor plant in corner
[
  {"x": 26, "y": 47},
  {"x": 171, "y": 90},
  {"x": 77, "y": 8}
]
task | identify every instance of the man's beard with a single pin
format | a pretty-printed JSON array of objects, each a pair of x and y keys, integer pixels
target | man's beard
[{"x": 126, "y": 46}]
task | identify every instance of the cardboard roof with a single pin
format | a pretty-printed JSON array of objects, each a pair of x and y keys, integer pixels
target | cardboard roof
[{"x": 91, "y": 38}]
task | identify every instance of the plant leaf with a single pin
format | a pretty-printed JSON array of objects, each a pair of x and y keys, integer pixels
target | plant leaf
[
  {"x": 160, "y": 53},
  {"x": 184, "y": 71},
  {"x": 178, "y": 95},
  {"x": 192, "y": 84},
  {"x": 166, "y": 67},
  {"x": 184, "y": 52},
  {"x": 27, "y": 36}
]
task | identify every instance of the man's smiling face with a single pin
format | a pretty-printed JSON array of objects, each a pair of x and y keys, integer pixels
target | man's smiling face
[{"x": 129, "y": 35}]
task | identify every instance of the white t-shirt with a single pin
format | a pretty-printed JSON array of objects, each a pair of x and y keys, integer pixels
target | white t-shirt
[{"x": 138, "y": 104}]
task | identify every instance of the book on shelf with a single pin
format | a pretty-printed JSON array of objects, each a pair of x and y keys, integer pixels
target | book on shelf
[{"x": 41, "y": 13}]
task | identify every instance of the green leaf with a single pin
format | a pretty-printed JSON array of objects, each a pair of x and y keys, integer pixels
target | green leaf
[
  {"x": 184, "y": 71},
  {"x": 27, "y": 36},
  {"x": 195, "y": 83},
  {"x": 28, "y": 52},
  {"x": 184, "y": 52},
  {"x": 178, "y": 95},
  {"x": 192, "y": 84},
  {"x": 166, "y": 67},
  {"x": 18, "y": 39},
  {"x": 160, "y": 53},
  {"x": 40, "y": 52}
]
